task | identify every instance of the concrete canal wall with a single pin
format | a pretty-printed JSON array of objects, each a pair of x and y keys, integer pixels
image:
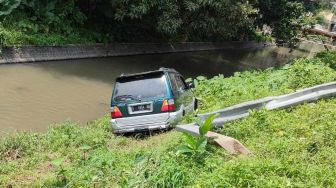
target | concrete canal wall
[{"x": 25, "y": 54}]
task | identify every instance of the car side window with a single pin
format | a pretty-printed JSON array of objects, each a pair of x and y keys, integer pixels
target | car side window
[
  {"x": 173, "y": 83},
  {"x": 180, "y": 83}
]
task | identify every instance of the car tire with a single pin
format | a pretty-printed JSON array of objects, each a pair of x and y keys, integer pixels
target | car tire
[{"x": 195, "y": 104}]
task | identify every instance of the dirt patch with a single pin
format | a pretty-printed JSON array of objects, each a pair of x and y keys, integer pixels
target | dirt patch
[
  {"x": 12, "y": 154},
  {"x": 44, "y": 168}
]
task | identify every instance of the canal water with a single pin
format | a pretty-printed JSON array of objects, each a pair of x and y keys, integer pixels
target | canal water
[{"x": 35, "y": 95}]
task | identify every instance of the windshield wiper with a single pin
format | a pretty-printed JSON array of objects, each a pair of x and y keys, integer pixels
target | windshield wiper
[{"x": 124, "y": 97}]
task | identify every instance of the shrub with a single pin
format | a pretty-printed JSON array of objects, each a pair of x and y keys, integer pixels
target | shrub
[
  {"x": 328, "y": 58},
  {"x": 309, "y": 72},
  {"x": 196, "y": 146},
  {"x": 9, "y": 37}
]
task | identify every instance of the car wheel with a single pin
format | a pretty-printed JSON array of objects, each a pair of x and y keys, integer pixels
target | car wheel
[{"x": 195, "y": 104}]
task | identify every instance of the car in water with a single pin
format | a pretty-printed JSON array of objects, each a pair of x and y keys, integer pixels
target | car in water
[{"x": 148, "y": 101}]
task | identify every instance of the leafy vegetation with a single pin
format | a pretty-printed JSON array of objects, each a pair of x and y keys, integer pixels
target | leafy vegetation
[
  {"x": 56, "y": 22},
  {"x": 291, "y": 147},
  {"x": 285, "y": 17},
  {"x": 329, "y": 58},
  {"x": 196, "y": 146},
  {"x": 8, "y": 6}
]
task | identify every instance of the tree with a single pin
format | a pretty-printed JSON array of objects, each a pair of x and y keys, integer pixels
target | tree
[
  {"x": 285, "y": 17},
  {"x": 159, "y": 20},
  {"x": 192, "y": 19}
]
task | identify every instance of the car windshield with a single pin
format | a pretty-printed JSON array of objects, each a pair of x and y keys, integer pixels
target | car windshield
[{"x": 139, "y": 87}]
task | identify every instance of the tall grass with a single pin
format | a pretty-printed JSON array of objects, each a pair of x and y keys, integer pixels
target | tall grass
[{"x": 219, "y": 92}]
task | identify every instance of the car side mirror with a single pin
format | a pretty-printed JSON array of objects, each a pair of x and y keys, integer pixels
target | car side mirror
[
  {"x": 180, "y": 90},
  {"x": 191, "y": 85}
]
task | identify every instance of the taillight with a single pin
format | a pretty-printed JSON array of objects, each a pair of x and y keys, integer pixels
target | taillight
[
  {"x": 168, "y": 106},
  {"x": 115, "y": 113}
]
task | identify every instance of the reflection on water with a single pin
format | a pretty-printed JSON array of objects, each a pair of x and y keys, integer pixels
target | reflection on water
[{"x": 32, "y": 96}]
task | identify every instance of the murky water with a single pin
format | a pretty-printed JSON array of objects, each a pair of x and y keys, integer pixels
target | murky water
[{"x": 33, "y": 96}]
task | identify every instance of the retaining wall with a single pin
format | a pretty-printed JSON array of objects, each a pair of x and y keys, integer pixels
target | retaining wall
[{"x": 25, "y": 54}]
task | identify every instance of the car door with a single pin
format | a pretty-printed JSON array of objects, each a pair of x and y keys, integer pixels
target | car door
[
  {"x": 186, "y": 94},
  {"x": 177, "y": 95},
  {"x": 182, "y": 95}
]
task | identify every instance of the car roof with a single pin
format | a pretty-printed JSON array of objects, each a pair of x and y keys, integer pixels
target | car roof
[{"x": 162, "y": 69}]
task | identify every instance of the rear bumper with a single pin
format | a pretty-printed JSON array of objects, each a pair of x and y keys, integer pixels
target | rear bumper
[{"x": 145, "y": 122}]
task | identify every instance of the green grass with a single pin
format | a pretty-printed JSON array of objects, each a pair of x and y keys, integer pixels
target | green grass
[
  {"x": 292, "y": 147},
  {"x": 219, "y": 92}
]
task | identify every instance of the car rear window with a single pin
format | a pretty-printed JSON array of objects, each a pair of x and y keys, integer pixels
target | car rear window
[{"x": 141, "y": 86}]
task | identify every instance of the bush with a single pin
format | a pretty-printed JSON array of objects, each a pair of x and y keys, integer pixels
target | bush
[
  {"x": 10, "y": 37},
  {"x": 328, "y": 58},
  {"x": 309, "y": 72}
]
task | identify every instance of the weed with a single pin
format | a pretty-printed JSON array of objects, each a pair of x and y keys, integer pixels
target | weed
[{"x": 196, "y": 146}]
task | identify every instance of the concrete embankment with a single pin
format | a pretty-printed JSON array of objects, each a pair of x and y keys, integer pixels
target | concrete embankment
[{"x": 25, "y": 54}]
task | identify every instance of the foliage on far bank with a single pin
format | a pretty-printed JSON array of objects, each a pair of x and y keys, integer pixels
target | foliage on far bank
[
  {"x": 292, "y": 147},
  {"x": 61, "y": 22},
  {"x": 43, "y": 23}
]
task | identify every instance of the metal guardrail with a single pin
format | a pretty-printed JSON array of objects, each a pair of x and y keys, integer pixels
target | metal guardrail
[{"x": 278, "y": 102}]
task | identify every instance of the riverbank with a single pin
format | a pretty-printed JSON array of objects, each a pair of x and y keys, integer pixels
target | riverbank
[
  {"x": 291, "y": 147},
  {"x": 81, "y": 89},
  {"x": 25, "y": 54}
]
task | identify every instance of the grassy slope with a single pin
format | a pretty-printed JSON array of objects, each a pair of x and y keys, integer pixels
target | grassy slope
[{"x": 292, "y": 147}]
